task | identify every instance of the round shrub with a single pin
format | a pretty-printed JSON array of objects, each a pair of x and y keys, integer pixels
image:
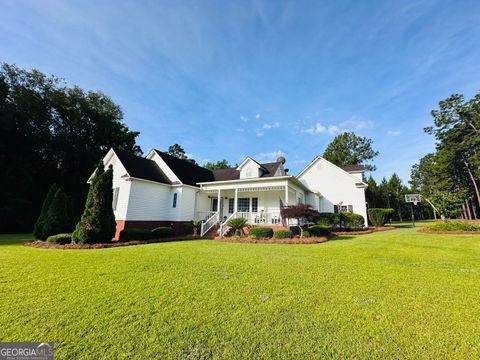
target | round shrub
[
  {"x": 261, "y": 232},
  {"x": 306, "y": 234},
  {"x": 318, "y": 230},
  {"x": 328, "y": 219},
  {"x": 163, "y": 232},
  {"x": 379, "y": 216},
  {"x": 351, "y": 221},
  {"x": 60, "y": 239},
  {"x": 282, "y": 234},
  {"x": 135, "y": 234}
]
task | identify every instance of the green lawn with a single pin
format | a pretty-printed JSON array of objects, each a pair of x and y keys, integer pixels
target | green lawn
[{"x": 397, "y": 294}]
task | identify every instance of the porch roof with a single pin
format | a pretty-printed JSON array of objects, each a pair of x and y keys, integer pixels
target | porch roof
[{"x": 256, "y": 182}]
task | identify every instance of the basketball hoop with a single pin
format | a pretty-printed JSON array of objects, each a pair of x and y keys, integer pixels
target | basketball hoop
[{"x": 413, "y": 198}]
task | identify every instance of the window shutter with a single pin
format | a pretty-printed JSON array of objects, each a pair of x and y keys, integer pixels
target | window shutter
[{"x": 335, "y": 209}]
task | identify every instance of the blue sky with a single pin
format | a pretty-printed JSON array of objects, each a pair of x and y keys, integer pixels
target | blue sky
[{"x": 226, "y": 79}]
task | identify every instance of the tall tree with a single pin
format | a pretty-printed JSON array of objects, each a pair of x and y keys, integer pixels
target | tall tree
[
  {"x": 58, "y": 219},
  {"x": 221, "y": 164},
  {"x": 350, "y": 149},
  {"x": 97, "y": 224},
  {"x": 177, "y": 151},
  {"x": 40, "y": 223},
  {"x": 50, "y": 132}
]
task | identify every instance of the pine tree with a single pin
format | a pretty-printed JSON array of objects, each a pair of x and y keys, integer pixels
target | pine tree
[
  {"x": 38, "y": 228},
  {"x": 98, "y": 221},
  {"x": 58, "y": 219}
]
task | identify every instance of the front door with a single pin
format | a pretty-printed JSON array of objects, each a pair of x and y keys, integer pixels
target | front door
[{"x": 214, "y": 206}]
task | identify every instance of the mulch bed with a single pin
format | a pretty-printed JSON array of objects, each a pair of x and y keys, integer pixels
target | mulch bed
[
  {"x": 370, "y": 230},
  {"x": 45, "y": 245},
  {"x": 295, "y": 240},
  {"x": 451, "y": 232}
]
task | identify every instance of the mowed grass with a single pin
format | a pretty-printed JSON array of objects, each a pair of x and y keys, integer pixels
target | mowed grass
[{"x": 397, "y": 294}]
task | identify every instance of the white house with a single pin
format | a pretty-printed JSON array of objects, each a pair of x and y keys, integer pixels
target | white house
[{"x": 161, "y": 190}]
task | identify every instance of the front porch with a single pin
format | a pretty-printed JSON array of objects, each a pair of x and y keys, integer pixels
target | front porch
[{"x": 259, "y": 204}]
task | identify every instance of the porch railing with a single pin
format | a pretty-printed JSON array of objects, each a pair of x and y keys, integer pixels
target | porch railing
[
  {"x": 209, "y": 223},
  {"x": 204, "y": 215},
  {"x": 224, "y": 227},
  {"x": 261, "y": 217}
]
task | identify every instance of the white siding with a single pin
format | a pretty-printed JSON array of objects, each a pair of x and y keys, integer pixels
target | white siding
[
  {"x": 150, "y": 201},
  {"x": 187, "y": 204},
  {"x": 122, "y": 184},
  {"x": 335, "y": 186},
  {"x": 250, "y": 170}
]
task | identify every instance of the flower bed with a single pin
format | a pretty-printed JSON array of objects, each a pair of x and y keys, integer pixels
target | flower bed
[
  {"x": 369, "y": 230},
  {"x": 452, "y": 227},
  {"x": 294, "y": 240},
  {"x": 46, "y": 245},
  {"x": 452, "y": 232}
]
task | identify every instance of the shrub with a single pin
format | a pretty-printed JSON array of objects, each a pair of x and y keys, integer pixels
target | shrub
[
  {"x": 39, "y": 224},
  {"x": 282, "y": 234},
  {"x": 252, "y": 237},
  {"x": 261, "y": 232},
  {"x": 306, "y": 234},
  {"x": 328, "y": 219},
  {"x": 135, "y": 234},
  {"x": 58, "y": 219},
  {"x": 379, "y": 216},
  {"x": 456, "y": 225},
  {"x": 237, "y": 224},
  {"x": 196, "y": 226},
  {"x": 60, "y": 239},
  {"x": 318, "y": 230},
  {"x": 97, "y": 224},
  {"x": 163, "y": 232},
  {"x": 351, "y": 221}
]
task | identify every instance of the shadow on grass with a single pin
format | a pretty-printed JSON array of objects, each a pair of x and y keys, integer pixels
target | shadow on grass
[
  {"x": 14, "y": 239},
  {"x": 342, "y": 237}
]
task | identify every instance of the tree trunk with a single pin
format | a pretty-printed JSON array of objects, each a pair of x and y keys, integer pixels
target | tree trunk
[
  {"x": 474, "y": 209},
  {"x": 464, "y": 212},
  {"x": 467, "y": 207},
  {"x": 472, "y": 178}
]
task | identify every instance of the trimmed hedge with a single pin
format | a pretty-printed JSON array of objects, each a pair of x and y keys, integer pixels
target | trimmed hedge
[
  {"x": 135, "y": 234},
  {"x": 163, "y": 232},
  {"x": 60, "y": 239},
  {"x": 328, "y": 219},
  {"x": 350, "y": 220},
  {"x": 282, "y": 234},
  {"x": 260, "y": 232},
  {"x": 318, "y": 230},
  {"x": 379, "y": 216}
]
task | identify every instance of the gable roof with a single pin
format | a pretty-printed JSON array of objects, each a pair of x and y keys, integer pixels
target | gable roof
[
  {"x": 318, "y": 157},
  {"x": 269, "y": 170},
  {"x": 247, "y": 159},
  {"x": 139, "y": 167},
  {"x": 187, "y": 172}
]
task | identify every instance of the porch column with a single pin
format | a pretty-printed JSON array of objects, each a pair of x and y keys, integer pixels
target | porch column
[
  {"x": 235, "y": 201},
  {"x": 286, "y": 194}
]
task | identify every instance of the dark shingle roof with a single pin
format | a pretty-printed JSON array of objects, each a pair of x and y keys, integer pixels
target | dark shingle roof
[
  {"x": 353, "y": 168},
  {"x": 234, "y": 174},
  {"x": 187, "y": 172},
  {"x": 141, "y": 168}
]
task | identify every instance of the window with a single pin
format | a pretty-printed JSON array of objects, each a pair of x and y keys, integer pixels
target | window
[
  {"x": 243, "y": 204},
  {"x": 343, "y": 208},
  {"x": 254, "y": 205},
  {"x": 214, "y": 204},
  {"x": 175, "y": 200},
  {"x": 231, "y": 203},
  {"x": 115, "y": 198}
]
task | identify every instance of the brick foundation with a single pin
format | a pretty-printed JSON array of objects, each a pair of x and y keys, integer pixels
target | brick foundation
[{"x": 181, "y": 228}]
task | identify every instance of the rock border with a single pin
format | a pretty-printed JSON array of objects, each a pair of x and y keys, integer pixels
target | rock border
[{"x": 44, "y": 245}]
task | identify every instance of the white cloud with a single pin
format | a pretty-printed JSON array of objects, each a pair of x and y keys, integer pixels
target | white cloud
[
  {"x": 239, "y": 130},
  {"x": 393, "y": 132},
  {"x": 257, "y": 116},
  {"x": 269, "y": 156},
  {"x": 259, "y": 133},
  {"x": 271, "y": 126},
  {"x": 321, "y": 129},
  {"x": 243, "y": 118}
]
